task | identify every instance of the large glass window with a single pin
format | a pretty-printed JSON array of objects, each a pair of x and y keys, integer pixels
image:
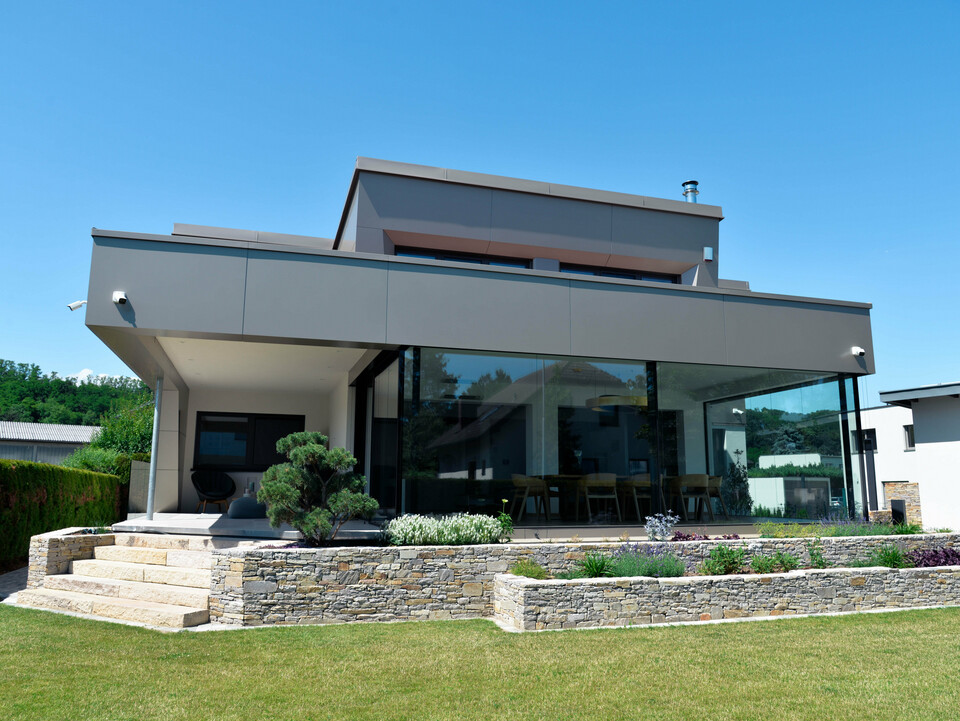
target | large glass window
[
  {"x": 479, "y": 428},
  {"x": 779, "y": 434},
  {"x": 235, "y": 441},
  {"x": 576, "y": 440}
]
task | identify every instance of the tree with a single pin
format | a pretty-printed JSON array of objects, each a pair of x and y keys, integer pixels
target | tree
[
  {"x": 789, "y": 441},
  {"x": 316, "y": 491},
  {"x": 128, "y": 426},
  {"x": 735, "y": 487}
]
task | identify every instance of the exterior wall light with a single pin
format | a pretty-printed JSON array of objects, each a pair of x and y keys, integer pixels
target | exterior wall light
[{"x": 707, "y": 254}]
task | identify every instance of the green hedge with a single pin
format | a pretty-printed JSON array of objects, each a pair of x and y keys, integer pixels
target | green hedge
[
  {"x": 832, "y": 472},
  {"x": 39, "y": 497}
]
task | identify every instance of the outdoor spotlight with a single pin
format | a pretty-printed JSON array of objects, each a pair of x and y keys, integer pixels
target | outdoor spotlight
[
  {"x": 76, "y": 305},
  {"x": 119, "y": 297},
  {"x": 858, "y": 351}
]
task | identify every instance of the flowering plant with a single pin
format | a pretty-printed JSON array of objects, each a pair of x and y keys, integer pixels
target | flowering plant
[{"x": 659, "y": 526}]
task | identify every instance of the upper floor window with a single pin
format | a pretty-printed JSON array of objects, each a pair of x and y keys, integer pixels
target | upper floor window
[
  {"x": 909, "y": 442},
  {"x": 241, "y": 441},
  {"x": 463, "y": 257},
  {"x": 619, "y": 273}
]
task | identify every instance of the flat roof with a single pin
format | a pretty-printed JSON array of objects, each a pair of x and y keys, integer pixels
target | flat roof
[
  {"x": 520, "y": 185},
  {"x": 905, "y": 396}
]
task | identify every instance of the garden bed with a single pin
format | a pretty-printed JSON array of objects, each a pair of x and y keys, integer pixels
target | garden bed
[
  {"x": 256, "y": 586},
  {"x": 524, "y": 604}
]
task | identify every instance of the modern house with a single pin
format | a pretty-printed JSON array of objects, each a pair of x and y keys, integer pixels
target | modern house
[
  {"x": 473, "y": 338},
  {"x": 912, "y": 450},
  {"x": 42, "y": 442}
]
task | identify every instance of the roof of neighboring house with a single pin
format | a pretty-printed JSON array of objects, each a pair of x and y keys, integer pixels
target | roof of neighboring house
[
  {"x": 904, "y": 397},
  {"x": 46, "y": 432}
]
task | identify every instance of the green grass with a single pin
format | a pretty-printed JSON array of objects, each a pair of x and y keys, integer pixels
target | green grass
[{"x": 876, "y": 666}]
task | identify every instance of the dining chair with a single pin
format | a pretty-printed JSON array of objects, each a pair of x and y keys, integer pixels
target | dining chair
[
  {"x": 638, "y": 487},
  {"x": 697, "y": 486},
  {"x": 600, "y": 487},
  {"x": 714, "y": 491},
  {"x": 525, "y": 487}
]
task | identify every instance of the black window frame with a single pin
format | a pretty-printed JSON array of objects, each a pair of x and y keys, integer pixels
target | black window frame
[
  {"x": 456, "y": 257},
  {"x": 249, "y": 465},
  {"x": 622, "y": 273}
]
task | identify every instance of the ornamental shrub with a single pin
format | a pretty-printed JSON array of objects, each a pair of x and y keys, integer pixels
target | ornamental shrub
[
  {"x": 316, "y": 491},
  {"x": 39, "y": 497},
  {"x": 930, "y": 557},
  {"x": 459, "y": 529},
  {"x": 723, "y": 560}
]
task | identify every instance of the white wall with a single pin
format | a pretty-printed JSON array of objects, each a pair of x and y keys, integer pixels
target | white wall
[
  {"x": 891, "y": 459},
  {"x": 314, "y": 406},
  {"x": 937, "y": 433},
  {"x": 340, "y": 416}
]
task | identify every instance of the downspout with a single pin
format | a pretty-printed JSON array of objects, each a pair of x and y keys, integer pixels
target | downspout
[{"x": 152, "y": 485}]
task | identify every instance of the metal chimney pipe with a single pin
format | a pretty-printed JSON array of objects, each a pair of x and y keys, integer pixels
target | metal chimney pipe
[{"x": 690, "y": 191}]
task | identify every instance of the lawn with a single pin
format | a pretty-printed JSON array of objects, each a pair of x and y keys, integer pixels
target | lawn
[{"x": 875, "y": 666}]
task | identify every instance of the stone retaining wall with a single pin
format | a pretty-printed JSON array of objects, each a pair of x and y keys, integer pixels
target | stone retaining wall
[
  {"x": 524, "y": 604},
  {"x": 329, "y": 585},
  {"x": 51, "y": 553}
]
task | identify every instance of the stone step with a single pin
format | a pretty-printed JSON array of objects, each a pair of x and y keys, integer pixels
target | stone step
[
  {"x": 154, "y": 556},
  {"x": 148, "y": 612},
  {"x": 179, "y": 543},
  {"x": 145, "y": 573},
  {"x": 133, "y": 590}
]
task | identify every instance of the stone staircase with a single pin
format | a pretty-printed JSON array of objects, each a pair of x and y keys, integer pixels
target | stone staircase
[{"x": 152, "y": 579}]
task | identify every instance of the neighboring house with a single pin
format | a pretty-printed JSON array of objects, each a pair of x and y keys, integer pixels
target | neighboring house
[
  {"x": 913, "y": 445},
  {"x": 42, "y": 442},
  {"x": 463, "y": 331}
]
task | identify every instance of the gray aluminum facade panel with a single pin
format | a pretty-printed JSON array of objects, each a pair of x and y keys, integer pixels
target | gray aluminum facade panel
[
  {"x": 342, "y": 300},
  {"x": 193, "y": 288},
  {"x": 459, "y": 308},
  {"x": 646, "y": 324},
  {"x": 321, "y": 296}
]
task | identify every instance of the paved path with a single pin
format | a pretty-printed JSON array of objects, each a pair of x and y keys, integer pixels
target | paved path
[{"x": 12, "y": 582}]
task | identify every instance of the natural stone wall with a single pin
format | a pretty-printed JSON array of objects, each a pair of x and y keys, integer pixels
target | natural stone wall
[
  {"x": 51, "y": 553},
  {"x": 524, "y": 604},
  {"x": 330, "y": 585},
  {"x": 909, "y": 493}
]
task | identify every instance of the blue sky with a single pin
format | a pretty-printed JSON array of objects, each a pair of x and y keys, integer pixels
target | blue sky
[{"x": 827, "y": 131}]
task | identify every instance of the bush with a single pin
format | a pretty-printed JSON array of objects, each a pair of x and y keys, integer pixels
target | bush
[
  {"x": 529, "y": 569},
  {"x": 930, "y": 557},
  {"x": 596, "y": 565},
  {"x": 104, "y": 460},
  {"x": 888, "y": 555},
  {"x": 723, "y": 560},
  {"x": 39, "y": 497},
  {"x": 316, "y": 491},
  {"x": 815, "y": 551},
  {"x": 639, "y": 560},
  {"x": 763, "y": 564},
  {"x": 460, "y": 529},
  {"x": 786, "y": 561}
]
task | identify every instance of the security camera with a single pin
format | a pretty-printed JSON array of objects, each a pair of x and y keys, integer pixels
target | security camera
[
  {"x": 119, "y": 297},
  {"x": 737, "y": 412},
  {"x": 858, "y": 351},
  {"x": 76, "y": 305}
]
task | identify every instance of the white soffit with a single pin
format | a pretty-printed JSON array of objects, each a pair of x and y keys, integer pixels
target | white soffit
[{"x": 239, "y": 365}]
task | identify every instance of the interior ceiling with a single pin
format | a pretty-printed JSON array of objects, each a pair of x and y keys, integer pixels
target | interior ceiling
[{"x": 223, "y": 364}]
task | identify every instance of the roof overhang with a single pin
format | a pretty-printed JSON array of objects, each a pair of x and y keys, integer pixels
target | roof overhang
[{"x": 909, "y": 395}]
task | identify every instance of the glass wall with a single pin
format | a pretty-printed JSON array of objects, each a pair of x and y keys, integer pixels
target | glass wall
[
  {"x": 480, "y": 428},
  {"x": 578, "y": 440},
  {"x": 777, "y": 434}
]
